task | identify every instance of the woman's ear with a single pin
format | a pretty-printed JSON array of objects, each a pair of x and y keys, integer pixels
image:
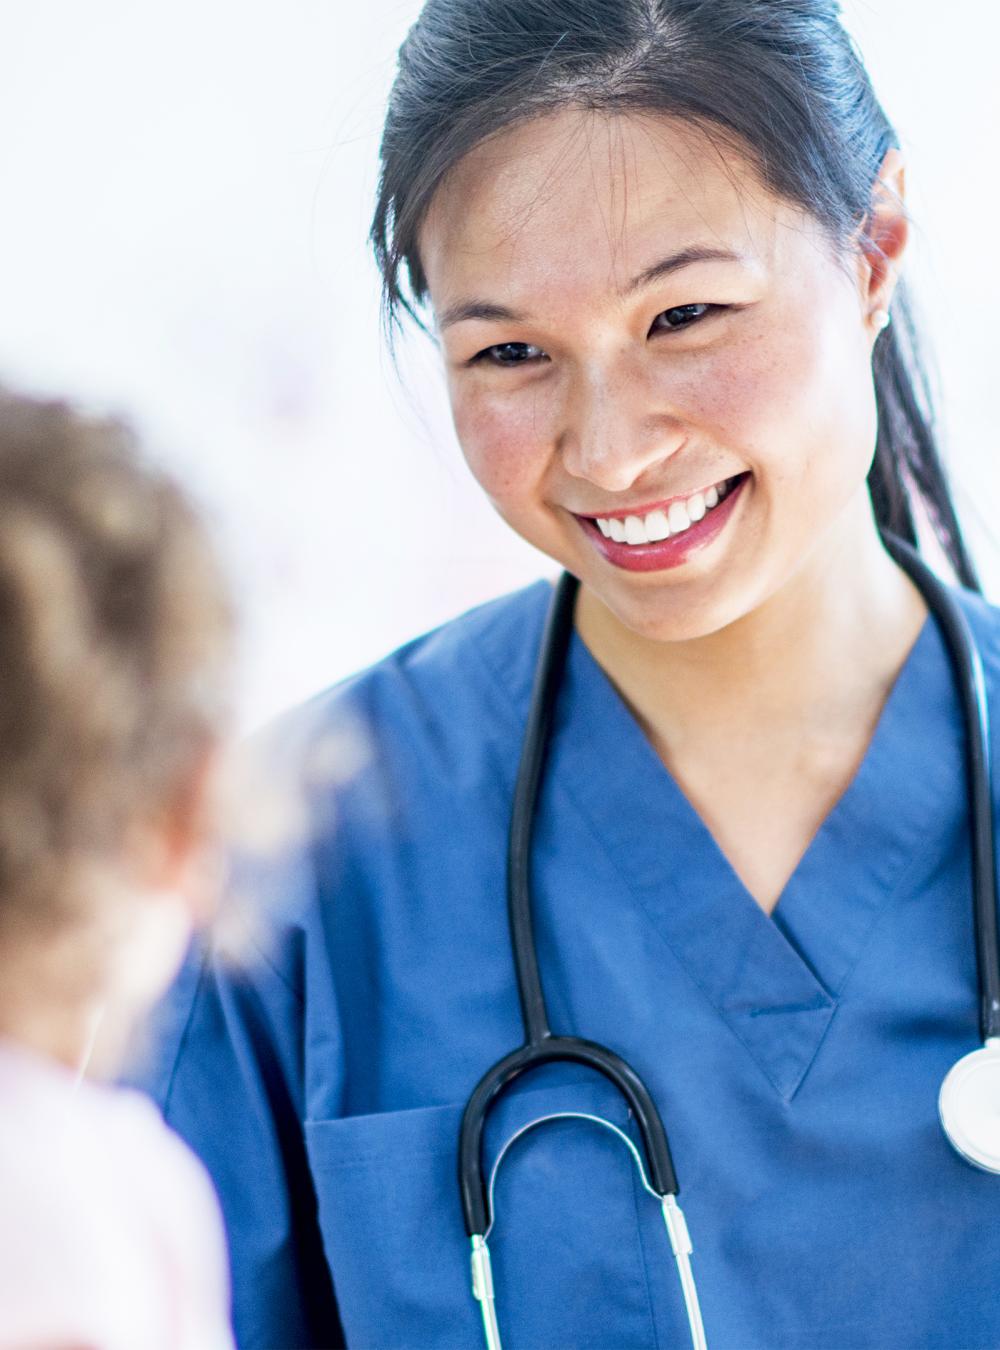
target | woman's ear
[{"x": 885, "y": 236}]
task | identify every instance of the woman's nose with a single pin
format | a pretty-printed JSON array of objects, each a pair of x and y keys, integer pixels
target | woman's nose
[{"x": 616, "y": 430}]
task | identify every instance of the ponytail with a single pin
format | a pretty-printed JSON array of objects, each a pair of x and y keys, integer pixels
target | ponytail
[{"x": 907, "y": 471}]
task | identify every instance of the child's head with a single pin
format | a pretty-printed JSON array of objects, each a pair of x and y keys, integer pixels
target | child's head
[{"x": 115, "y": 636}]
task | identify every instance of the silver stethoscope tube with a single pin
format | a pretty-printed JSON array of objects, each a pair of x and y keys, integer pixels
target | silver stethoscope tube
[
  {"x": 673, "y": 1218},
  {"x": 969, "y": 1102}
]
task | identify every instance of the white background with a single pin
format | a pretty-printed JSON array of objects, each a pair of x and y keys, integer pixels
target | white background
[{"x": 185, "y": 197}]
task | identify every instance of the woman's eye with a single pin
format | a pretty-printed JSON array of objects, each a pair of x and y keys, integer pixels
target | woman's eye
[
  {"x": 509, "y": 353},
  {"x": 681, "y": 316}
]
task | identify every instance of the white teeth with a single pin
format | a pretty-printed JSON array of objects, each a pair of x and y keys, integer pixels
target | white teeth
[
  {"x": 678, "y": 518},
  {"x": 657, "y": 527},
  {"x": 660, "y": 524}
]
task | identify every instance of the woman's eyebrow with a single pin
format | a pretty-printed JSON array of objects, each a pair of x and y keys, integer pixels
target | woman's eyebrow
[
  {"x": 478, "y": 309},
  {"x": 673, "y": 262},
  {"x": 487, "y": 311}
]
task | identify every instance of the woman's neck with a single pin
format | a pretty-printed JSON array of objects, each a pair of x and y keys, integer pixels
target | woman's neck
[
  {"x": 821, "y": 652},
  {"x": 764, "y": 723}
]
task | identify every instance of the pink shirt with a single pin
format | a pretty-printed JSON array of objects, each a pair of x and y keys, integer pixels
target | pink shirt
[{"x": 110, "y": 1232}]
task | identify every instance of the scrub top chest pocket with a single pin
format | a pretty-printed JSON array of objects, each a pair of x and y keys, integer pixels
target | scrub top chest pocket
[{"x": 568, "y": 1254}]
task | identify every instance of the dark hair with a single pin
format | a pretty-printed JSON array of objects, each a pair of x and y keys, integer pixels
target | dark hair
[{"x": 780, "y": 79}]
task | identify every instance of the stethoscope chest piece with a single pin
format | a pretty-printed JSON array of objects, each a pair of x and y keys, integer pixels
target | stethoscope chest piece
[{"x": 969, "y": 1106}]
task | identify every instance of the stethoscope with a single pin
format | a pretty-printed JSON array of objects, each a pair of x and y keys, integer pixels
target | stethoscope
[{"x": 969, "y": 1101}]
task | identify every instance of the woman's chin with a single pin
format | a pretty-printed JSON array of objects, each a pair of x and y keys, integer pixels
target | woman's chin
[{"x": 661, "y": 617}]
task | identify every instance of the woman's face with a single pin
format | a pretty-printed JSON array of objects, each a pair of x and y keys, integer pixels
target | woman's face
[{"x": 659, "y": 373}]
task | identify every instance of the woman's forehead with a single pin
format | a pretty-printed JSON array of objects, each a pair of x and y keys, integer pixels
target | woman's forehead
[{"x": 594, "y": 198}]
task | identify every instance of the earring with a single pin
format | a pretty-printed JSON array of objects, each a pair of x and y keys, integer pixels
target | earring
[{"x": 881, "y": 318}]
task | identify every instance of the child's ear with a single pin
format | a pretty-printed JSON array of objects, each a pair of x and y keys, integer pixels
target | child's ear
[{"x": 180, "y": 852}]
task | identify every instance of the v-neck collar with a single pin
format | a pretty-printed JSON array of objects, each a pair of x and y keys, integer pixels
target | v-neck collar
[
  {"x": 774, "y": 980},
  {"x": 908, "y": 795}
]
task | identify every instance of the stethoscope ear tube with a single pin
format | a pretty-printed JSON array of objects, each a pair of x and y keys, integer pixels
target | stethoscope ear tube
[{"x": 971, "y": 687}]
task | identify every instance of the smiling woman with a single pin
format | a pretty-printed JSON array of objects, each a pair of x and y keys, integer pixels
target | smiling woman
[
  {"x": 615, "y": 382},
  {"x": 659, "y": 243}
]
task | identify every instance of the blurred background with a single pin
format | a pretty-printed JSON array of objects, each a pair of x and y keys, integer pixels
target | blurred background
[{"x": 185, "y": 198}]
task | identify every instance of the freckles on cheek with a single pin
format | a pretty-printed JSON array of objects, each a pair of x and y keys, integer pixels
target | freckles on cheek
[
  {"x": 779, "y": 398},
  {"x": 746, "y": 397},
  {"x": 504, "y": 447},
  {"x": 807, "y": 418}
]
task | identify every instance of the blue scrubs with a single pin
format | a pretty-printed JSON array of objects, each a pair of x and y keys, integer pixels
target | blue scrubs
[{"x": 796, "y": 1058}]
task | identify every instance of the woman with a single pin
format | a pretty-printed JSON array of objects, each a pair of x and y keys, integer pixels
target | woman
[
  {"x": 115, "y": 650},
  {"x": 660, "y": 242}
]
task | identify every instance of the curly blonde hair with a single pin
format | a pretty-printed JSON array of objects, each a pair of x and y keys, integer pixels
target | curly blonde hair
[{"x": 115, "y": 641}]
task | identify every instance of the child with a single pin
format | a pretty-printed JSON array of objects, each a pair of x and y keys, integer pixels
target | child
[{"x": 115, "y": 634}]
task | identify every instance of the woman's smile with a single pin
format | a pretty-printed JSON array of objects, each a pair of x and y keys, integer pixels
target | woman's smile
[{"x": 654, "y": 538}]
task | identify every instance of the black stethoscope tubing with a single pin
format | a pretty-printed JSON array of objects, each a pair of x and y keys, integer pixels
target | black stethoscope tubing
[
  {"x": 971, "y": 687},
  {"x": 540, "y": 1045}
]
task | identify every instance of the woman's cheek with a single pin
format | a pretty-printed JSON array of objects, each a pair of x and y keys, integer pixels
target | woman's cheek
[
  {"x": 741, "y": 400},
  {"x": 505, "y": 442},
  {"x": 823, "y": 436},
  {"x": 780, "y": 399}
]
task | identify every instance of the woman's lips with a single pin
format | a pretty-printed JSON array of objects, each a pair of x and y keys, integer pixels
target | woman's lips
[{"x": 673, "y": 551}]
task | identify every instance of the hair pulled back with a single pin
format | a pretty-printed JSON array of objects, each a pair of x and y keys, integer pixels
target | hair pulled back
[
  {"x": 115, "y": 637},
  {"x": 780, "y": 79}
]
